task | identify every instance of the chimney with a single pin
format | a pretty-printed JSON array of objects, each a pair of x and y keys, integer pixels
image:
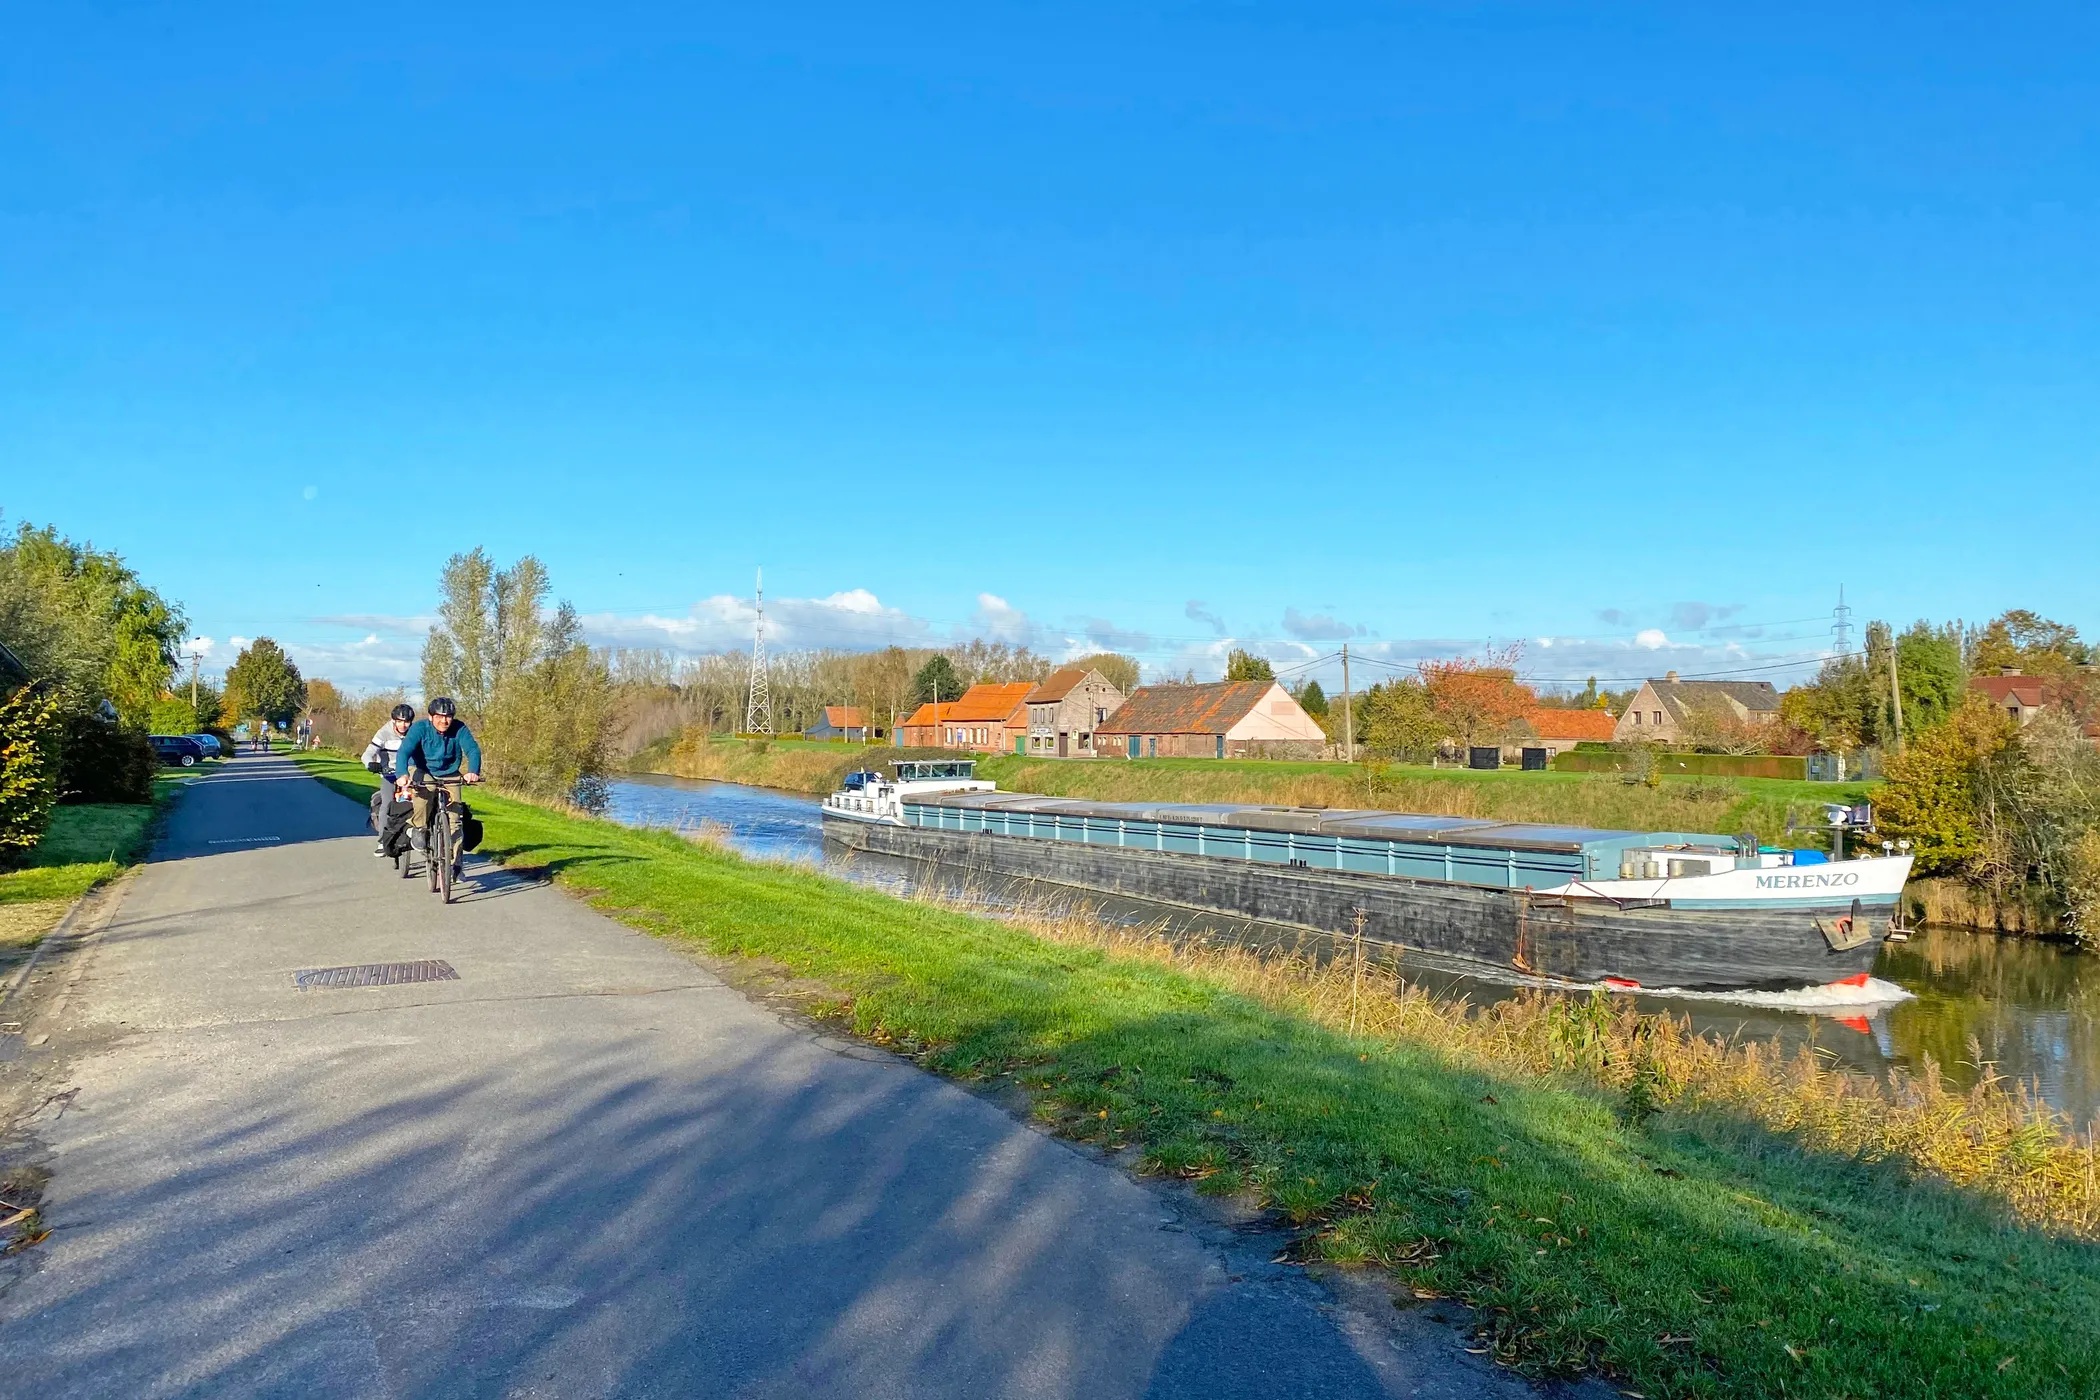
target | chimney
[
  {"x": 2008, "y": 670},
  {"x": 1670, "y": 676}
]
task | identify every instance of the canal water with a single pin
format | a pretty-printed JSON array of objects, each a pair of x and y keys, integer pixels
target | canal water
[{"x": 2029, "y": 1010}]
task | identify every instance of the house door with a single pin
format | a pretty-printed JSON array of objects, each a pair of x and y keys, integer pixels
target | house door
[
  {"x": 1064, "y": 744},
  {"x": 1133, "y": 746}
]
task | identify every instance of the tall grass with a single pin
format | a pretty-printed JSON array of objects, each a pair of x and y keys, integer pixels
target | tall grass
[{"x": 1995, "y": 1138}]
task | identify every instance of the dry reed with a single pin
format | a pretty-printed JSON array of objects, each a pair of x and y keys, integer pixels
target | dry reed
[{"x": 1995, "y": 1139}]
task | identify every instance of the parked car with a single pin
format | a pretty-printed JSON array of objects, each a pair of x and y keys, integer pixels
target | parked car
[
  {"x": 209, "y": 743},
  {"x": 176, "y": 749}
]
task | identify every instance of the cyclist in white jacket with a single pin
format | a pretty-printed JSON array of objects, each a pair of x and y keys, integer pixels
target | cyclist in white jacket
[{"x": 382, "y": 756}]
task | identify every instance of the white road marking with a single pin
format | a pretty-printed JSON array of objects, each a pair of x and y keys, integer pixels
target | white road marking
[{"x": 245, "y": 840}]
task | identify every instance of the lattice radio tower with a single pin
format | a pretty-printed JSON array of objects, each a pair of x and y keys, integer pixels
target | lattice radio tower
[
  {"x": 1843, "y": 626},
  {"x": 758, "y": 711}
]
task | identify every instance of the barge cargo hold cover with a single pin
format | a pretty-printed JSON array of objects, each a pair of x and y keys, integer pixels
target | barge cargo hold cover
[
  {"x": 1579, "y": 904},
  {"x": 1463, "y": 850}
]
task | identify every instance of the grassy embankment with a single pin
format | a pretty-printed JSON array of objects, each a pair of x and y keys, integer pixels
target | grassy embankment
[
  {"x": 1542, "y": 1161},
  {"x": 1724, "y": 805},
  {"x": 84, "y": 846}
]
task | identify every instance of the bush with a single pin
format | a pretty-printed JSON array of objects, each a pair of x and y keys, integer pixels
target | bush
[
  {"x": 103, "y": 762},
  {"x": 171, "y": 717},
  {"x": 29, "y": 731}
]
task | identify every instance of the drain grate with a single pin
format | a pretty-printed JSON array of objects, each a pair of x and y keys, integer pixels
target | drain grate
[{"x": 322, "y": 979}]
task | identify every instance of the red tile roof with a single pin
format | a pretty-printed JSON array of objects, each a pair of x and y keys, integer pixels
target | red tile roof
[
  {"x": 1186, "y": 709},
  {"x": 930, "y": 713},
  {"x": 1550, "y": 723},
  {"x": 2031, "y": 692},
  {"x": 1056, "y": 686},
  {"x": 843, "y": 716},
  {"x": 989, "y": 701}
]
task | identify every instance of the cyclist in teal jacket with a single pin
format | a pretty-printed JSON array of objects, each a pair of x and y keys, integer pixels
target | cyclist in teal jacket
[{"x": 437, "y": 750}]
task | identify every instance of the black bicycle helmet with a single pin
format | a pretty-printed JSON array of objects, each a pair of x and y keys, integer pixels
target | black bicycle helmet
[
  {"x": 404, "y": 712},
  {"x": 443, "y": 706}
]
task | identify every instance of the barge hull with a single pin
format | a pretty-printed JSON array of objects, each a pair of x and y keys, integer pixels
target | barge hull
[{"x": 1498, "y": 931}]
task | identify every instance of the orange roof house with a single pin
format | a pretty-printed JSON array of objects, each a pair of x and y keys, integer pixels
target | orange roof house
[
  {"x": 977, "y": 719},
  {"x": 1560, "y": 730}
]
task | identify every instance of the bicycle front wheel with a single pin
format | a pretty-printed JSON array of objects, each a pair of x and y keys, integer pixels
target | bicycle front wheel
[{"x": 441, "y": 852}]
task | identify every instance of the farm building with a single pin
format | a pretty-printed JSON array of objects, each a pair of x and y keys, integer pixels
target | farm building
[
  {"x": 1661, "y": 708},
  {"x": 985, "y": 718},
  {"x": 1066, "y": 709},
  {"x": 1228, "y": 719},
  {"x": 846, "y": 722}
]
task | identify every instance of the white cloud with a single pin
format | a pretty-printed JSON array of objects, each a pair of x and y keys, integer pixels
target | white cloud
[
  {"x": 854, "y": 619},
  {"x": 1652, "y": 638},
  {"x": 199, "y": 646},
  {"x": 238, "y": 643}
]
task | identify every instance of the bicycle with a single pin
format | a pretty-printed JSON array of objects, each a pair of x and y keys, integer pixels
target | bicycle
[{"x": 442, "y": 856}]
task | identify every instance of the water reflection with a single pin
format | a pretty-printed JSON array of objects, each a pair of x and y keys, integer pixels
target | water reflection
[{"x": 2029, "y": 1007}]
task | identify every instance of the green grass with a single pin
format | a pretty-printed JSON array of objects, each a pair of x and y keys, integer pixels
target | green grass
[
  {"x": 89, "y": 843},
  {"x": 1691, "y": 1257}
]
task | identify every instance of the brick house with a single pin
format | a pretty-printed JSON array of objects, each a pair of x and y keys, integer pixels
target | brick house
[
  {"x": 846, "y": 722},
  {"x": 1661, "y": 707},
  {"x": 2021, "y": 697},
  {"x": 1065, "y": 710},
  {"x": 1559, "y": 730},
  {"x": 1228, "y": 719},
  {"x": 981, "y": 718}
]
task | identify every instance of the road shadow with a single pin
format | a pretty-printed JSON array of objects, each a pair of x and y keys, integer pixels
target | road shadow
[{"x": 784, "y": 1229}]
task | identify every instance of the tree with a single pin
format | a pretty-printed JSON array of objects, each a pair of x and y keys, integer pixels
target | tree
[
  {"x": 1933, "y": 793},
  {"x": 936, "y": 681},
  {"x": 30, "y": 738},
  {"x": 1117, "y": 669},
  {"x": 322, "y": 698},
  {"x": 458, "y": 655},
  {"x": 1477, "y": 701},
  {"x": 1246, "y": 666},
  {"x": 1396, "y": 719},
  {"x": 1312, "y": 699},
  {"x": 83, "y": 623},
  {"x": 2025, "y": 639},
  {"x": 1933, "y": 679},
  {"x": 263, "y": 681}
]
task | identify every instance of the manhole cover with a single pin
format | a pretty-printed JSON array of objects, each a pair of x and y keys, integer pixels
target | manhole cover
[{"x": 321, "y": 979}]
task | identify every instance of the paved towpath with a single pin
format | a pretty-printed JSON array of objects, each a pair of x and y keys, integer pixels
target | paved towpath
[{"x": 585, "y": 1168}]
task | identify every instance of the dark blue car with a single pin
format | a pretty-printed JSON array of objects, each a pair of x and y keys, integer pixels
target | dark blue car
[{"x": 176, "y": 749}]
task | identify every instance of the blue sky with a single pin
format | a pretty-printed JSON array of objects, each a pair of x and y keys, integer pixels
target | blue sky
[{"x": 1627, "y": 331}]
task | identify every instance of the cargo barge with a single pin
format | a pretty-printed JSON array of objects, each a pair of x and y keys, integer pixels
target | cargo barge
[{"x": 1677, "y": 910}]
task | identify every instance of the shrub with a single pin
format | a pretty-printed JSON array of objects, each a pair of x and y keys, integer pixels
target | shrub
[
  {"x": 171, "y": 717},
  {"x": 104, "y": 762},
  {"x": 29, "y": 731}
]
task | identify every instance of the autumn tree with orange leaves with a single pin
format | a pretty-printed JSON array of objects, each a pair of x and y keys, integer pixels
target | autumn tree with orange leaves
[{"x": 1478, "y": 699}]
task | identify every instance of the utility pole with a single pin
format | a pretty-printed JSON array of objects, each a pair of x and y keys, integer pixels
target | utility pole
[
  {"x": 758, "y": 709},
  {"x": 1895, "y": 690},
  {"x": 195, "y": 657},
  {"x": 1348, "y": 714}
]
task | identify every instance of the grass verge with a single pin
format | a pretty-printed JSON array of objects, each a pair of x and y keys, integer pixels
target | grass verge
[
  {"x": 84, "y": 846},
  {"x": 1685, "y": 1252}
]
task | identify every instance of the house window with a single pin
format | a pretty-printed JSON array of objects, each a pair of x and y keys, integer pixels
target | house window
[
  {"x": 1636, "y": 716},
  {"x": 1086, "y": 741},
  {"x": 1658, "y": 718}
]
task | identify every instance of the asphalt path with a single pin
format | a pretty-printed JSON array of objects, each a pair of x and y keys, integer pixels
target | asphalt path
[{"x": 587, "y": 1167}]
